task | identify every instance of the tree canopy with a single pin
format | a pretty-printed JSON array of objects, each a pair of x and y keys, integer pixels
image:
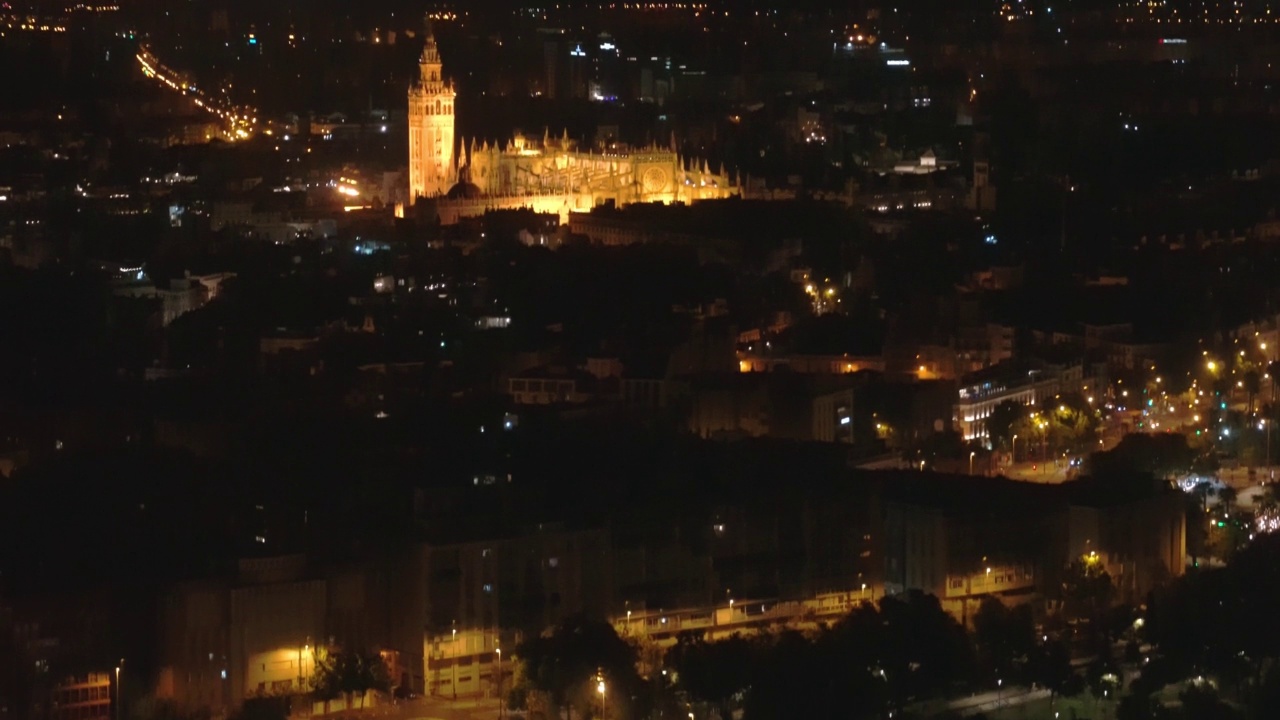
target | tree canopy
[
  {"x": 348, "y": 672},
  {"x": 1004, "y": 636},
  {"x": 874, "y": 660},
  {"x": 564, "y": 664},
  {"x": 1223, "y": 622},
  {"x": 712, "y": 672},
  {"x": 1163, "y": 455},
  {"x": 1003, "y": 420}
]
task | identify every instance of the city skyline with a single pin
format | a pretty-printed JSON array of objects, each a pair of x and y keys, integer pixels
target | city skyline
[{"x": 632, "y": 361}]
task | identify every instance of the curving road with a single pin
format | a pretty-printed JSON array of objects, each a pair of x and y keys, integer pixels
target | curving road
[{"x": 240, "y": 122}]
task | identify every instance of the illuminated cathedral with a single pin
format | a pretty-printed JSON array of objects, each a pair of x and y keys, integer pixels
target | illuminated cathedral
[{"x": 457, "y": 179}]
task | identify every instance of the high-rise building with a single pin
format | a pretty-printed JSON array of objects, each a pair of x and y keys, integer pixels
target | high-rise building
[
  {"x": 982, "y": 195},
  {"x": 431, "y": 167}
]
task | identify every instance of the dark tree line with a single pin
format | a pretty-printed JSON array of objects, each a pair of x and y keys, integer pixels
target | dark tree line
[
  {"x": 1158, "y": 454},
  {"x": 875, "y": 661},
  {"x": 1222, "y": 624},
  {"x": 564, "y": 670},
  {"x": 878, "y": 659},
  {"x": 349, "y": 674}
]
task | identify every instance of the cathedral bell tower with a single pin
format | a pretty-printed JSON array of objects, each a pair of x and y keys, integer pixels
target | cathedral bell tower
[{"x": 431, "y": 167}]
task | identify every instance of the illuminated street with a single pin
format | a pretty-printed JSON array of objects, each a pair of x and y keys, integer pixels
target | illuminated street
[{"x": 240, "y": 122}]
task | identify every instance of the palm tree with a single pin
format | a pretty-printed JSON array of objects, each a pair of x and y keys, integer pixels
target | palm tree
[
  {"x": 1273, "y": 373},
  {"x": 1252, "y": 386},
  {"x": 1227, "y": 496}
]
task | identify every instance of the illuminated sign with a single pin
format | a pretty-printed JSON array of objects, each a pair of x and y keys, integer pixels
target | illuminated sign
[
  {"x": 1173, "y": 41},
  {"x": 897, "y": 63}
]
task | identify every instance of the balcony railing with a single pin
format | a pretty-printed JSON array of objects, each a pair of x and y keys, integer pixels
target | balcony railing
[
  {"x": 742, "y": 614},
  {"x": 990, "y": 581}
]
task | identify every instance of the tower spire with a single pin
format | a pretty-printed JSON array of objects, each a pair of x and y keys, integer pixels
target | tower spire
[
  {"x": 430, "y": 58},
  {"x": 433, "y": 163}
]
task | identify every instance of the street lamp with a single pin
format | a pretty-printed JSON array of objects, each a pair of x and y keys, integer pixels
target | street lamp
[
  {"x": 453, "y": 650},
  {"x": 1014, "y": 454},
  {"x": 1044, "y": 443},
  {"x": 600, "y": 689},
  {"x": 1266, "y": 424},
  {"x": 500, "y": 703},
  {"x": 302, "y": 675},
  {"x": 971, "y": 454},
  {"x": 119, "y": 695}
]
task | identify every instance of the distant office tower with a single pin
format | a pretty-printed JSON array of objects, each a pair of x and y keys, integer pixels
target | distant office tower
[
  {"x": 982, "y": 196},
  {"x": 431, "y": 167},
  {"x": 579, "y": 73},
  {"x": 218, "y": 20},
  {"x": 550, "y": 53}
]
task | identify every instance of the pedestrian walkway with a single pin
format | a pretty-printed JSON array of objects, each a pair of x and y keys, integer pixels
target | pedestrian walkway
[
  {"x": 995, "y": 699},
  {"x": 430, "y": 708}
]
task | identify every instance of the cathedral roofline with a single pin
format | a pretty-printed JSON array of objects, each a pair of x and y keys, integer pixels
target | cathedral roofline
[{"x": 471, "y": 171}]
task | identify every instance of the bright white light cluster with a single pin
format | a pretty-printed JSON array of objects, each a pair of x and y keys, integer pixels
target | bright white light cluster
[
  {"x": 1267, "y": 522},
  {"x": 1191, "y": 482}
]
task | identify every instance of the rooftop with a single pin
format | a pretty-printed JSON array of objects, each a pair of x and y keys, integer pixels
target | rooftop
[{"x": 964, "y": 494}]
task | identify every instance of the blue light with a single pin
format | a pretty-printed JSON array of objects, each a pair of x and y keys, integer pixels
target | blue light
[{"x": 253, "y": 41}]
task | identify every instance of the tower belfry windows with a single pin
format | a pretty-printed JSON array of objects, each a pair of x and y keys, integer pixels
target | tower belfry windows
[{"x": 431, "y": 162}]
